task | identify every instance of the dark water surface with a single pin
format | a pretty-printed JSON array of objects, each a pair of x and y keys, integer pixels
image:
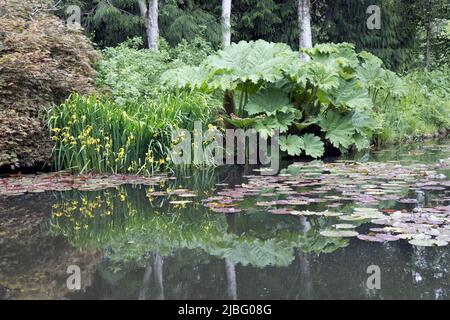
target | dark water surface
[{"x": 163, "y": 241}]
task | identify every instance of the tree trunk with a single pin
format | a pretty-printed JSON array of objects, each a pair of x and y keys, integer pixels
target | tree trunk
[
  {"x": 150, "y": 15},
  {"x": 158, "y": 267},
  {"x": 230, "y": 269},
  {"x": 226, "y": 22},
  {"x": 427, "y": 46},
  {"x": 304, "y": 24}
]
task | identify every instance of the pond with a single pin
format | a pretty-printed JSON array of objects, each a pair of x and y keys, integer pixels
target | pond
[{"x": 370, "y": 226}]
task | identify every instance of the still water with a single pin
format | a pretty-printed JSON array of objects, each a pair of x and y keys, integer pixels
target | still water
[{"x": 228, "y": 233}]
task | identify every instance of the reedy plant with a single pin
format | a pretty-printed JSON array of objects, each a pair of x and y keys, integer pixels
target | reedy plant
[{"x": 99, "y": 134}]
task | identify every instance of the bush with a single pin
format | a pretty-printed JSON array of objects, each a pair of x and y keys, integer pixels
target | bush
[
  {"x": 424, "y": 107},
  {"x": 101, "y": 135},
  {"x": 41, "y": 63},
  {"x": 131, "y": 74},
  {"x": 267, "y": 87}
]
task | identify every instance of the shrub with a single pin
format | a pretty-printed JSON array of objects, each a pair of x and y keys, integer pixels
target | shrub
[
  {"x": 423, "y": 108},
  {"x": 131, "y": 74},
  {"x": 41, "y": 63},
  {"x": 266, "y": 87}
]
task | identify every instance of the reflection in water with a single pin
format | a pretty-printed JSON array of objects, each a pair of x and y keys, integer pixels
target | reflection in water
[{"x": 162, "y": 245}]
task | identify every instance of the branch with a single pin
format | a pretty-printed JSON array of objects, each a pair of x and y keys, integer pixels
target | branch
[{"x": 143, "y": 7}]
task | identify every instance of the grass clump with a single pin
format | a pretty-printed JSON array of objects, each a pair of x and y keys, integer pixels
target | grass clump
[{"x": 101, "y": 135}]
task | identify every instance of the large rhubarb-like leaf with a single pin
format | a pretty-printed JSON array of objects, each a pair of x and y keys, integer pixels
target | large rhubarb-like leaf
[
  {"x": 292, "y": 144},
  {"x": 338, "y": 128},
  {"x": 312, "y": 145},
  {"x": 351, "y": 94},
  {"x": 267, "y": 101}
]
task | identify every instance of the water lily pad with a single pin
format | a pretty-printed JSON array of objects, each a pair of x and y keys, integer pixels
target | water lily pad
[
  {"x": 180, "y": 202},
  {"x": 365, "y": 237},
  {"x": 428, "y": 243},
  {"x": 338, "y": 233},
  {"x": 344, "y": 226},
  {"x": 352, "y": 218}
]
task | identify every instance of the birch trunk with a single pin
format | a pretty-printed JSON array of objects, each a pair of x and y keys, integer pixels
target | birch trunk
[
  {"x": 304, "y": 24},
  {"x": 150, "y": 14},
  {"x": 226, "y": 22}
]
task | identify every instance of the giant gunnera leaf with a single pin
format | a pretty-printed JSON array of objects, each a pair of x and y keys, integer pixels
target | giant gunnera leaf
[
  {"x": 252, "y": 61},
  {"x": 309, "y": 143},
  {"x": 267, "y": 101},
  {"x": 186, "y": 77},
  {"x": 338, "y": 128},
  {"x": 312, "y": 145},
  {"x": 350, "y": 94},
  {"x": 292, "y": 144}
]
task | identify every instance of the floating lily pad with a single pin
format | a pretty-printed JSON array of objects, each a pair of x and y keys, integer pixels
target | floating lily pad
[
  {"x": 428, "y": 243},
  {"x": 344, "y": 226},
  {"x": 365, "y": 237},
  {"x": 180, "y": 202},
  {"x": 352, "y": 218},
  {"x": 338, "y": 233}
]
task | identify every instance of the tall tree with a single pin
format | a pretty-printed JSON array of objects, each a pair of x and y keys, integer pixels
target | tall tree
[
  {"x": 226, "y": 22},
  {"x": 149, "y": 11},
  {"x": 304, "y": 24}
]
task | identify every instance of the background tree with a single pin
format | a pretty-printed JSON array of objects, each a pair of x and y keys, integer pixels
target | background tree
[
  {"x": 304, "y": 24},
  {"x": 431, "y": 20},
  {"x": 226, "y": 22},
  {"x": 149, "y": 11}
]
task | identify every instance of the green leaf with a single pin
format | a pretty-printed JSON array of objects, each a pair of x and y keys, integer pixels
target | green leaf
[
  {"x": 252, "y": 61},
  {"x": 361, "y": 142},
  {"x": 338, "y": 128},
  {"x": 370, "y": 58},
  {"x": 323, "y": 76},
  {"x": 267, "y": 101},
  {"x": 363, "y": 122},
  {"x": 186, "y": 77},
  {"x": 244, "y": 123},
  {"x": 312, "y": 145},
  {"x": 350, "y": 94},
  {"x": 286, "y": 119},
  {"x": 292, "y": 144},
  {"x": 266, "y": 127}
]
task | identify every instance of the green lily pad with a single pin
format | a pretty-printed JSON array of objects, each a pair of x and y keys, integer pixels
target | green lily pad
[
  {"x": 338, "y": 233},
  {"x": 344, "y": 226}
]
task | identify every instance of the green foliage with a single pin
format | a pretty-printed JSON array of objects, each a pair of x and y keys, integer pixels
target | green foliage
[
  {"x": 131, "y": 223},
  {"x": 103, "y": 135},
  {"x": 131, "y": 74},
  {"x": 422, "y": 109},
  {"x": 274, "y": 89}
]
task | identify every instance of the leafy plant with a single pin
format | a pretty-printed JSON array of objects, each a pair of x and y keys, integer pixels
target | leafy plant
[
  {"x": 131, "y": 74},
  {"x": 93, "y": 134},
  {"x": 267, "y": 87}
]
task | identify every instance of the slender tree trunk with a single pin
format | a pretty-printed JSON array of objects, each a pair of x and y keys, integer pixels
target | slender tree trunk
[
  {"x": 150, "y": 14},
  {"x": 146, "y": 281},
  {"x": 230, "y": 269},
  {"x": 304, "y": 24},
  {"x": 158, "y": 267},
  {"x": 427, "y": 46},
  {"x": 226, "y": 22}
]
